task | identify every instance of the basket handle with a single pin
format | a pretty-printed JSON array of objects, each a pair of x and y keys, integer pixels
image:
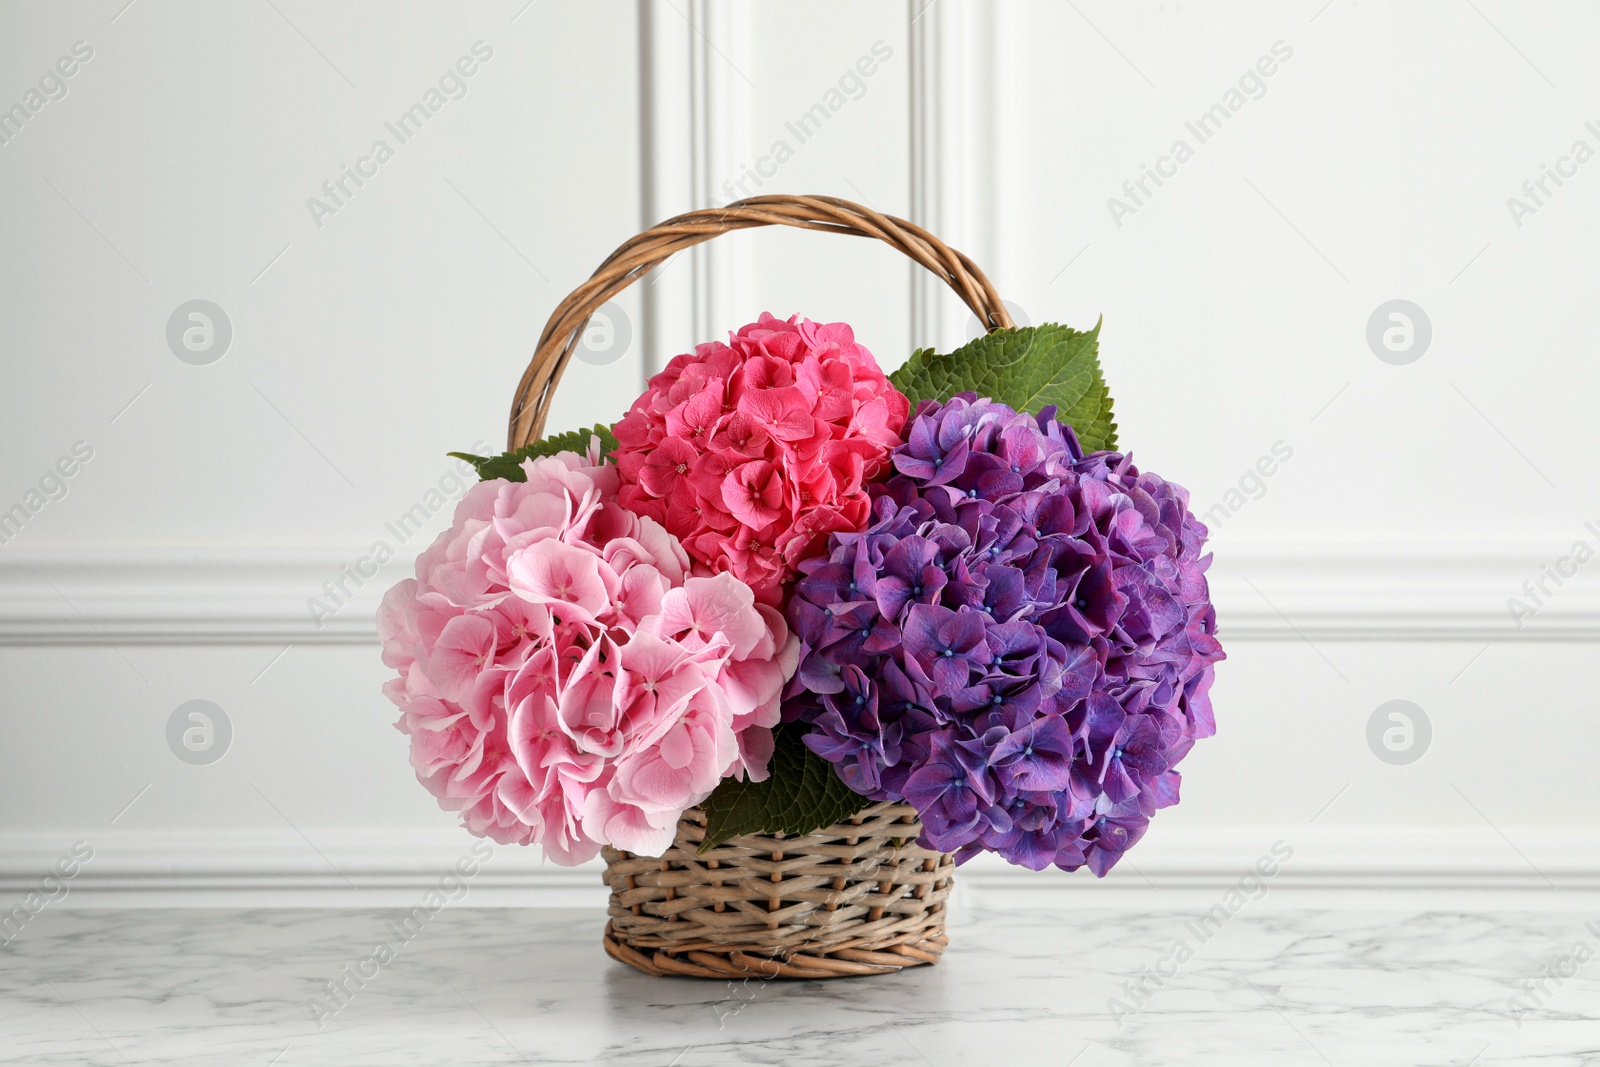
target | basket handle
[{"x": 639, "y": 254}]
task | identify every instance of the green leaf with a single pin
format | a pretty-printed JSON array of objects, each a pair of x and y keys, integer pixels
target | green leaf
[
  {"x": 801, "y": 794},
  {"x": 508, "y": 465},
  {"x": 1026, "y": 368}
]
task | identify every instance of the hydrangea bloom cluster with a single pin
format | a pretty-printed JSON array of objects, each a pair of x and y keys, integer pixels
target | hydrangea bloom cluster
[
  {"x": 752, "y": 452},
  {"x": 1020, "y": 644},
  {"x": 564, "y": 679}
]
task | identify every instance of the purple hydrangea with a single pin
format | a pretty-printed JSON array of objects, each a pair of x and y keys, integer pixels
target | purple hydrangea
[{"x": 1020, "y": 644}]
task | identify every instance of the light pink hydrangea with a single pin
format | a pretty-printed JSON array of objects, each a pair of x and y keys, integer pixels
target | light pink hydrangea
[{"x": 564, "y": 679}]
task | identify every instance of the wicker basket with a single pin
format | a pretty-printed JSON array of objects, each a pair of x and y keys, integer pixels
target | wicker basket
[{"x": 861, "y": 897}]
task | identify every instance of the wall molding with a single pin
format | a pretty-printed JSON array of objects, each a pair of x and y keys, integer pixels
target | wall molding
[
  {"x": 956, "y": 124},
  {"x": 1401, "y": 591},
  {"x": 380, "y": 868},
  {"x": 186, "y": 596},
  {"x": 1397, "y": 591},
  {"x": 695, "y": 107},
  {"x": 667, "y": 106}
]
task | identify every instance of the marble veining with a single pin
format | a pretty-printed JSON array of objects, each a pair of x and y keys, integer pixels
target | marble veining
[{"x": 1090, "y": 987}]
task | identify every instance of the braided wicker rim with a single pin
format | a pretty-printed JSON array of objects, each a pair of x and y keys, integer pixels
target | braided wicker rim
[
  {"x": 664, "y": 240},
  {"x": 858, "y": 898}
]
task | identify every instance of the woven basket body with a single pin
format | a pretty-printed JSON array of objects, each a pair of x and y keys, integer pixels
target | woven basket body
[
  {"x": 860, "y": 897},
  {"x": 857, "y": 898}
]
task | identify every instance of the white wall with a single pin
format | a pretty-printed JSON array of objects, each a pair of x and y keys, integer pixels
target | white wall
[{"x": 1375, "y": 565}]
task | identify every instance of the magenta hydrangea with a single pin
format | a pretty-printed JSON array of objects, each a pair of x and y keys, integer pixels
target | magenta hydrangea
[
  {"x": 751, "y": 452},
  {"x": 1020, "y": 644}
]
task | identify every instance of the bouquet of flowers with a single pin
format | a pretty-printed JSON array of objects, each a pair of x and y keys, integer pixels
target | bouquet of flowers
[{"x": 786, "y": 586}]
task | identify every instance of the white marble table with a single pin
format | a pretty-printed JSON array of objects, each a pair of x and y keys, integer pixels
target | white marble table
[{"x": 494, "y": 986}]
